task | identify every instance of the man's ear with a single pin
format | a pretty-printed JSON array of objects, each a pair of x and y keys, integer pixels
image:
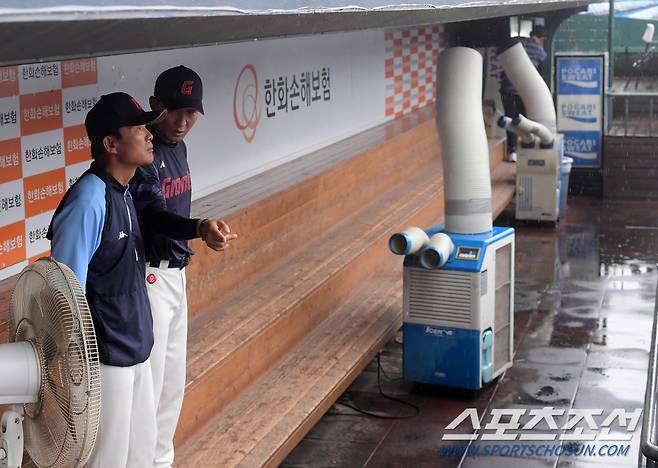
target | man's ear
[
  {"x": 155, "y": 104},
  {"x": 110, "y": 144}
]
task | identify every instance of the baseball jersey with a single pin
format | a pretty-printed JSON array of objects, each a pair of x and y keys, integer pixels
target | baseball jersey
[{"x": 163, "y": 185}]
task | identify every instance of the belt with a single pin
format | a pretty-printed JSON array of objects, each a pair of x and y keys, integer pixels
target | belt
[{"x": 173, "y": 263}]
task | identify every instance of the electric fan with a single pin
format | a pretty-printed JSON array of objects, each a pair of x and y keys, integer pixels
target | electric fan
[{"x": 49, "y": 372}]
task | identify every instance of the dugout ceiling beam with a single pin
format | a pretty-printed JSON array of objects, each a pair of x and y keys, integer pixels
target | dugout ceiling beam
[{"x": 47, "y": 30}]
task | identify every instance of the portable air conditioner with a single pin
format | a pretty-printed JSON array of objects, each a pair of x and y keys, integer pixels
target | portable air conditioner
[
  {"x": 459, "y": 318},
  {"x": 538, "y": 159},
  {"x": 459, "y": 278},
  {"x": 537, "y": 181}
]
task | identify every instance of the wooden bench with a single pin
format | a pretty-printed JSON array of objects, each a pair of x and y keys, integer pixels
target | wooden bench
[
  {"x": 273, "y": 347},
  {"x": 283, "y": 321}
]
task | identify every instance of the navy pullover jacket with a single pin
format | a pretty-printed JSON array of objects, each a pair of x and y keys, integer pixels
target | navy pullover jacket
[{"x": 95, "y": 232}]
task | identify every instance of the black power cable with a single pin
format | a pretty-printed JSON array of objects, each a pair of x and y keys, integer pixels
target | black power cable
[{"x": 381, "y": 371}]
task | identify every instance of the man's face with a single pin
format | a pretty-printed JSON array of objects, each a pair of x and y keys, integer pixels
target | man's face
[
  {"x": 177, "y": 124},
  {"x": 539, "y": 40},
  {"x": 135, "y": 148}
]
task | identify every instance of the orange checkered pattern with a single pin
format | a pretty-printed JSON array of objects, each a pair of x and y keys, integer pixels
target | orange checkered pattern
[
  {"x": 411, "y": 55},
  {"x": 43, "y": 149}
]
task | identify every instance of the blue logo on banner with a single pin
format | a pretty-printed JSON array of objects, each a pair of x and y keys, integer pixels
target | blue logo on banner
[
  {"x": 580, "y": 112},
  {"x": 579, "y": 76},
  {"x": 583, "y": 119},
  {"x": 584, "y": 147}
]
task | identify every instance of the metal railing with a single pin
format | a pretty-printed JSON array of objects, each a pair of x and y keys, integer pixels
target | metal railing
[
  {"x": 632, "y": 113},
  {"x": 649, "y": 438}
]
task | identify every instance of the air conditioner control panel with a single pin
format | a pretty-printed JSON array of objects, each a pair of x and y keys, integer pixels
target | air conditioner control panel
[{"x": 468, "y": 253}]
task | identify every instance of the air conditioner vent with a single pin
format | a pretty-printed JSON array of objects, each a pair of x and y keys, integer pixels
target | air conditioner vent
[
  {"x": 503, "y": 321},
  {"x": 439, "y": 295}
]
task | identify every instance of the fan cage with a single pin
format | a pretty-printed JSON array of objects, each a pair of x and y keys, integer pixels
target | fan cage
[{"x": 49, "y": 308}]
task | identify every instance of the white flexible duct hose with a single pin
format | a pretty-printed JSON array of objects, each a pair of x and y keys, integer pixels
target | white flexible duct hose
[
  {"x": 464, "y": 147},
  {"x": 526, "y": 125},
  {"x": 506, "y": 123},
  {"x": 437, "y": 252},
  {"x": 408, "y": 242},
  {"x": 529, "y": 84}
]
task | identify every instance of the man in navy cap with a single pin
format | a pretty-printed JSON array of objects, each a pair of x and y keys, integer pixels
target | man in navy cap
[
  {"x": 166, "y": 184},
  {"x": 95, "y": 232}
]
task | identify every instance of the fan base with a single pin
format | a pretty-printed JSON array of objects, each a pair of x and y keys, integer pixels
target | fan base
[{"x": 11, "y": 437}]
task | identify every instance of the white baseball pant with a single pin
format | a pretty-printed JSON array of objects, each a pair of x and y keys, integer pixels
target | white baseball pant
[
  {"x": 127, "y": 430},
  {"x": 166, "y": 290}
]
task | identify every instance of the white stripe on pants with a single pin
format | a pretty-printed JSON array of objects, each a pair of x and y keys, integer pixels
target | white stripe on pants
[
  {"x": 169, "y": 310},
  {"x": 127, "y": 432}
]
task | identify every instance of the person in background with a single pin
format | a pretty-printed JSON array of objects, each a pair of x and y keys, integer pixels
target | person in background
[{"x": 512, "y": 103}]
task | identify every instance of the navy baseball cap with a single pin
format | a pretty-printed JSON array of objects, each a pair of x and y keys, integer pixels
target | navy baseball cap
[
  {"x": 179, "y": 87},
  {"x": 116, "y": 110}
]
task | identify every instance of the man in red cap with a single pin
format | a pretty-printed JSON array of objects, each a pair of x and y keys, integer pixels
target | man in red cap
[{"x": 166, "y": 184}]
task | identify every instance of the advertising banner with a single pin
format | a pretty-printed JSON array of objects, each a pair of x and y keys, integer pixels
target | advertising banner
[
  {"x": 580, "y": 84},
  {"x": 266, "y": 102}
]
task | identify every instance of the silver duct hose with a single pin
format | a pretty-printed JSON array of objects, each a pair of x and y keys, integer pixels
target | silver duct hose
[
  {"x": 408, "y": 242},
  {"x": 465, "y": 155},
  {"x": 506, "y": 123},
  {"x": 530, "y": 85},
  {"x": 437, "y": 251},
  {"x": 526, "y": 125},
  {"x": 464, "y": 146}
]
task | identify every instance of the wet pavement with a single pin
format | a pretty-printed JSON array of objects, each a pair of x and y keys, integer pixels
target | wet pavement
[{"x": 584, "y": 304}]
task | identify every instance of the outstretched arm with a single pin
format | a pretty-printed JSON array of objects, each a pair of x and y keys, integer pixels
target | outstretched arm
[{"x": 152, "y": 210}]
